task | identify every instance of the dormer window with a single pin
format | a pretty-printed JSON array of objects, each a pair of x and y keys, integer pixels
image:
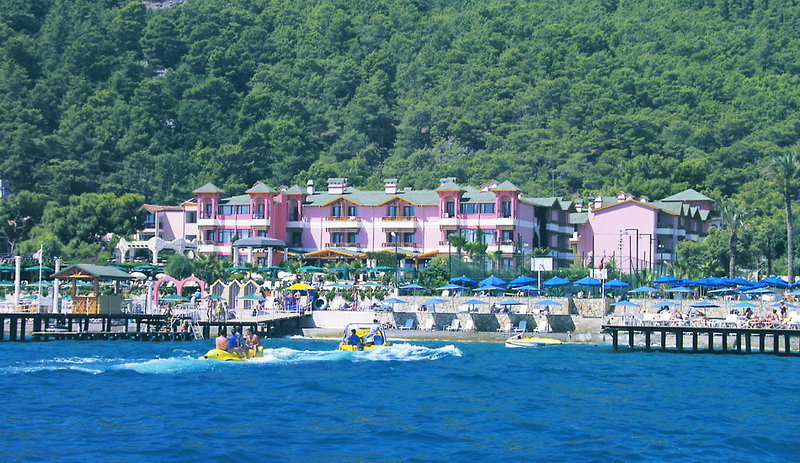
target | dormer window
[
  {"x": 336, "y": 211},
  {"x": 352, "y": 211},
  {"x": 391, "y": 211},
  {"x": 408, "y": 211}
]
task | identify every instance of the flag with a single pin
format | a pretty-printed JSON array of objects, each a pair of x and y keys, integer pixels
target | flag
[{"x": 38, "y": 255}]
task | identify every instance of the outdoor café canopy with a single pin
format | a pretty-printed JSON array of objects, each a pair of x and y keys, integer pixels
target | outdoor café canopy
[{"x": 87, "y": 272}]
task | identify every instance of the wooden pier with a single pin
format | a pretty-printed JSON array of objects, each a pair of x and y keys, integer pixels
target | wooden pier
[
  {"x": 14, "y": 327},
  {"x": 707, "y": 339}
]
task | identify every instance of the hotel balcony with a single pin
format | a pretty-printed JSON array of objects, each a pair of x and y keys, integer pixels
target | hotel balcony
[
  {"x": 504, "y": 221},
  {"x": 343, "y": 222},
  {"x": 670, "y": 231},
  {"x": 399, "y": 223},
  {"x": 404, "y": 246},
  {"x": 208, "y": 223},
  {"x": 448, "y": 220}
]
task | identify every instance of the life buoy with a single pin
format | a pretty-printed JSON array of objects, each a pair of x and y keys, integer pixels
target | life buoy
[{"x": 320, "y": 304}]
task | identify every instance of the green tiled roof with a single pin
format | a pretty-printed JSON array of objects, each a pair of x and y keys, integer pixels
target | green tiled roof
[
  {"x": 577, "y": 218},
  {"x": 506, "y": 186},
  {"x": 260, "y": 187},
  {"x": 295, "y": 189},
  {"x": 208, "y": 188},
  {"x": 99, "y": 272},
  {"x": 687, "y": 195},
  {"x": 539, "y": 202},
  {"x": 373, "y": 198},
  {"x": 448, "y": 184},
  {"x": 235, "y": 200}
]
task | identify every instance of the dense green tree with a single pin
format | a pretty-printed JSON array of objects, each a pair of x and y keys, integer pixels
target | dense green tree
[
  {"x": 785, "y": 169},
  {"x": 19, "y": 214},
  {"x": 179, "y": 266}
]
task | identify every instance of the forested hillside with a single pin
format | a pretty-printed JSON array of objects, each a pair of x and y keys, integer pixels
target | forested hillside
[{"x": 572, "y": 97}]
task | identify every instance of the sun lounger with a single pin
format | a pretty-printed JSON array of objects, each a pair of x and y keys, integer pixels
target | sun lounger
[
  {"x": 453, "y": 326},
  {"x": 506, "y": 327},
  {"x": 408, "y": 325},
  {"x": 428, "y": 325},
  {"x": 522, "y": 327},
  {"x": 469, "y": 325}
]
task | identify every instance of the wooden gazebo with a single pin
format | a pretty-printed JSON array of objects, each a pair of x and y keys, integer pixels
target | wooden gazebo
[{"x": 94, "y": 303}]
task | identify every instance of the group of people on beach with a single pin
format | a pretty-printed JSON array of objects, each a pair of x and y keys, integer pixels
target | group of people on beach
[{"x": 238, "y": 344}]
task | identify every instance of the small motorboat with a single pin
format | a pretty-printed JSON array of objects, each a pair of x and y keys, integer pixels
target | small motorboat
[
  {"x": 521, "y": 340},
  {"x": 225, "y": 356},
  {"x": 370, "y": 336}
]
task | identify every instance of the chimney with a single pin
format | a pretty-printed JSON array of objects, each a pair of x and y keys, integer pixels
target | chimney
[
  {"x": 390, "y": 186},
  {"x": 621, "y": 196},
  {"x": 579, "y": 205},
  {"x": 644, "y": 199},
  {"x": 336, "y": 186},
  {"x": 598, "y": 202},
  {"x": 628, "y": 197},
  {"x": 310, "y": 187}
]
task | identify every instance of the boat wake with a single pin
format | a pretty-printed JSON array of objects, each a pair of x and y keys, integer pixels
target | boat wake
[{"x": 187, "y": 362}]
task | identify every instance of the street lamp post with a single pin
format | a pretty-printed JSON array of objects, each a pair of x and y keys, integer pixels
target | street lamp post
[
  {"x": 396, "y": 260},
  {"x": 637, "y": 245}
]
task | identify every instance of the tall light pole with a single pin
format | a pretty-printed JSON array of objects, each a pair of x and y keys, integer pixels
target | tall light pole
[{"x": 637, "y": 245}]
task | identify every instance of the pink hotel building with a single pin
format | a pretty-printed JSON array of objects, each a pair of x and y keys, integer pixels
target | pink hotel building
[{"x": 343, "y": 222}]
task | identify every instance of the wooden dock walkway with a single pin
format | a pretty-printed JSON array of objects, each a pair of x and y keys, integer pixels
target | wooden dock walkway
[
  {"x": 14, "y": 327},
  {"x": 707, "y": 339}
]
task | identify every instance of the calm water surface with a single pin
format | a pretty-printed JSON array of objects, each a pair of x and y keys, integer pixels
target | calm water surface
[{"x": 416, "y": 401}]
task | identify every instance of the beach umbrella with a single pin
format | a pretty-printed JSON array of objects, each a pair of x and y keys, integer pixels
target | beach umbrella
[
  {"x": 787, "y": 305},
  {"x": 681, "y": 289},
  {"x": 383, "y": 268},
  {"x": 310, "y": 268},
  {"x": 173, "y": 297},
  {"x": 147, "y": 269},
  {"x": 300, "y": 286},
  {"x": 701, "y": 304},
  {"x": 769, "y": 281},
  {"x": 492, "y": 281},
  {"x": 555, "y": 282},
  {"x": 488, "y": 288},
  {"x": 625, "y": 304},
  {"x": 724, "y": 291},
  {"x": 370, "y": 284},
  {"x": 36, "y": 268},
  {"x": 528, "y": 289},
  {"x": 588, "y": 282},
  {"x": 510, "y": 302},
  {"x": 337, "y": 284},
  {"x": 28, "y": 297},
  {"x": 665, "y": 304},
  {"x": 432, "y": 302},
  {"x": 6, "y": 283},
  {"x": 413, "y": 287},
  {"x": 547, "y": 302},
  {"x": 616, "y": 284},
  {"x": 449, "y": 287},
  {"x": 795, "y": 293},
  {"x": 251, "y": 297},
  {"x": 758, "y": 290},
  {"x": 741, "y": 281},
  {"x": 139, "y": 275},
  {"x": 213, "y": 297},
  {"x": 394, "y": 300},
  {"x": 464, "y": 281},
  {"x": 472, "y": 303},
  {"x": 744, "y": 305},
  {"x": 666, "y": 280},
  {"x": 238, "y": 268},
  {"x": 643, "y": 289},
  {"x": 522, "y": 280}
]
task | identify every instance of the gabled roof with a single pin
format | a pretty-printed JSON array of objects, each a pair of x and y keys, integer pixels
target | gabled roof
[
  {"x": 208, "y": 188},
  {"x": 152, "y": 208},
  {"x": 577, "y": 218},
  {"x": 295, "y": 190},
  {"x": 92, "y": 272},
  {"x": 239, "y": 200},
  {"x": 505, "y": 186},
  {"x": 627, "y": 201},
  {"x": 448, "y": 184},
  {"x": 688, "y": 195},
  {"x": 260, "y": 187},
  {"x": 374, "y": 198},
  {"x": 540, "y": 202}
]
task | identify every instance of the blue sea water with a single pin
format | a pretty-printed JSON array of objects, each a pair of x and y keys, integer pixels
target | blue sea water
[{"x": 415, "y": 401}]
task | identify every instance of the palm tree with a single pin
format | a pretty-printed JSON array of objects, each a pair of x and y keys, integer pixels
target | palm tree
[
  {"x": 785, "y": 170},
  {"x": 458, "y": 241},
  {"x": 733, "y": 219}
]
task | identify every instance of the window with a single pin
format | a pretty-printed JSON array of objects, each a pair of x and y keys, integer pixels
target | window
[
  {"x": 408, "y": 238},
  {"x": 336, "y": 211},
  {"x": 259, "y": 214},
  {"x": 488, "y": 236},
  {"x": 191, "y": 217},
  {"x": 224, "y": 235},
  {"x": 469, "y": 208},
  {"x": 487, "y": 208},
  {"x": 244, "y": 233},
  {"x": 262, "y": 233},
  {"x": 391, "y": 238},
  {"x": 337, "y": 237},
  {"x": 505, "y": 209},
  {"x": 352, "y": 211},
  {"x": 391, "y": 211},
  {"x": 150, "y": 220},
  {"x": 507, "y": 236},
  {"x": 227, "y": 210},
  {"x": 296, "y": 239},
  {"x": 469, "y": 234},
  {"x": 191, "y": 237},
  {"x": 211, "y": 236},
  {"x": 408, "y": 211},
  {"x": 207, "y": 211},
  {"x": 352, "y": 237},
  {"x": 243, "y": 210},
  {"x": 450, "y": 209}
]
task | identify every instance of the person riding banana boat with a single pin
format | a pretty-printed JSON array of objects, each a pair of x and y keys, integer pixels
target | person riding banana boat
[
  {"x": 233, "y": 349},
  {"x": 361, "y": 336}
]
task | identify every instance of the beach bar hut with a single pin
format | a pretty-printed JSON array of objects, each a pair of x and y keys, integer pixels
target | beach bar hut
[{"x": 94, "y": 303}]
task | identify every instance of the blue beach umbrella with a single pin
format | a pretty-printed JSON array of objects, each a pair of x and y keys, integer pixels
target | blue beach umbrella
[
  {"x": 643, "y": 289},
  {"x": 617, "y": 284},
  {"x": 474, "y": 302},
  {"x": 666, "y": 280},
  {"x": 394, "y": 300},
  {"x": 413, "y": 287},
  {"x": 703, "y": 304},
  {"x": 488, "y": 288},
  {"x": 547, "y": 302},
  {"x": 492, "y": 281},
  {"x": 775, "y": 282},
  {"x": 744, "y": 305},
  {"x": 464, "y": 281},
  {"x": 681, "y": 289},
  {"x": 625, "y": 304},
  {"x": 449, "y": 287},
  {"x": 528, "y": 289},
  {"x": 760, "y": 290},
  {"x": 433, "y": 302},
  {"x": 787, "y": 305},
  {"x": 510, "y": 302},
  {"x": 521, "y": 281},
  {"x": 588, "y": 282},
  {"x": 555, "y": 282},
  {"x": 665, "y": 304}
]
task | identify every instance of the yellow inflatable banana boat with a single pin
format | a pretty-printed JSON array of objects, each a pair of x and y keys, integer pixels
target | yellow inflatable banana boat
[{"x": 225, "y": 356}]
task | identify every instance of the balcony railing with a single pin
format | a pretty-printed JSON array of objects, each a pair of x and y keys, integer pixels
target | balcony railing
[
  {"x": 344, "y": 219},
  {"x": 398, "y": 219},
  {"x": 258, "y": 216},
  {"x": 400, "y": 245},
  {"x": 343, "y": 245}
]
